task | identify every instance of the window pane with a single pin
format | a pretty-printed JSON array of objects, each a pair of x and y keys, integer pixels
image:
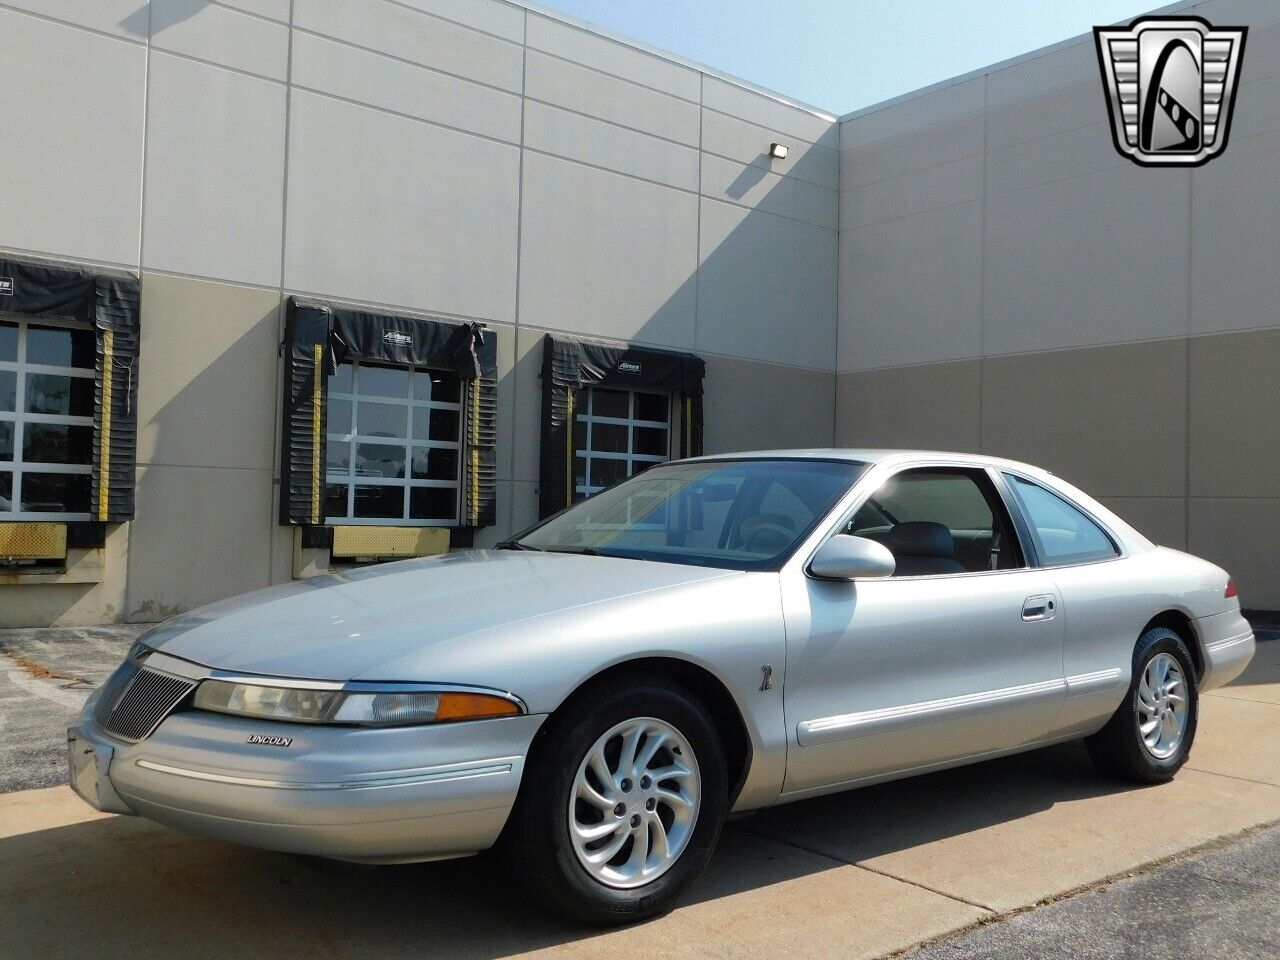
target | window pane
[
  {"x": 339, "y": 414},
  {"x": 436, "y": 425},
  {"x": 610, "y": 403},
  {"x": 8, "y": 389},
  {"x": 435, "y": 464},
  {"x": 9, "y": 341},
  {"x": 56, "y": 443},
  {"x": 609, "y": 438},
  {"x": 579, "y": 471},
  {"x": 55, "y": 492},
  {"x": 437, "y": 386},
  {"x": 651, "y": 441},
  {"x": 53, "y": 393},
  {"x": 379, "y": 460},
  {"x": 606, "y": 472},
  {"x": 337, "y": 456},
  {"x": 335, "y": 500},
  {"x": 1062, "y": 533},
  {"x": 6, "y": 491},
  {"x": 6, "y": 440},
  {"x": 384, "y": 382},
  {"x": 386, "y": 503},
  {"x": 340, "y": 382},
  {"x": 652, "y": 406},
  {"x": 60, "y": 347},
  {"x": 381, "y": 420},
  {"x": 433, "y": 503},
  {"x": 951, "y": 499}
]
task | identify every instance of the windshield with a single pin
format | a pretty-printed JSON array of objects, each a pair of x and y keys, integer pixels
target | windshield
[{"x": 736, "y": 514}]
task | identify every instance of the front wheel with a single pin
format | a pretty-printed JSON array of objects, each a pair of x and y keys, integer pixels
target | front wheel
[
  {"x": 622, "y": 803},
  {"x": 1149, "y": 737}
]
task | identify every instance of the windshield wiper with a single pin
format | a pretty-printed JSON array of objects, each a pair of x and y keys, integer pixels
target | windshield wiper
[
  {"x": 576, "y": 551},
  {"x": 515, "y": 545}
]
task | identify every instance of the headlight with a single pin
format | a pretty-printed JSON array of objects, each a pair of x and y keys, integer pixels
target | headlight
[{"x": 382, "y": 708}]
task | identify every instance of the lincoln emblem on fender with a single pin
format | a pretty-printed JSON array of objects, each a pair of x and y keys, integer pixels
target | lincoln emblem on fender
[{"x": 1170, "y": 85}]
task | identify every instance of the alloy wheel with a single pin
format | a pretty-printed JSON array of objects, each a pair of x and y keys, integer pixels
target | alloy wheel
[
  {"x": 1162, "y": 706},
  {"x": 634, "y": 803}
]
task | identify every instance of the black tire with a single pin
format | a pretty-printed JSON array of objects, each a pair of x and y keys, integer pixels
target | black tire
[
  {"x": 536, "y": 843},
  {"x": 1118, "y": 748}
]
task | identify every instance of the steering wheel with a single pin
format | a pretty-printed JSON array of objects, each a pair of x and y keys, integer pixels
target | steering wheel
[{"x": 765, "y": 530}]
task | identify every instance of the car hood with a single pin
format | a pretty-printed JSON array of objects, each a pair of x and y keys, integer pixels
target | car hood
[{"x": 343, "y": 626}]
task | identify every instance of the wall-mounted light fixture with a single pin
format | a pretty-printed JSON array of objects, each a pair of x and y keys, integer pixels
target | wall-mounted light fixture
[{"x": 778, "y": 151}]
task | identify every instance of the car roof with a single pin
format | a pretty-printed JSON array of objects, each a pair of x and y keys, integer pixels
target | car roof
[{"x": 871, "y": 455}]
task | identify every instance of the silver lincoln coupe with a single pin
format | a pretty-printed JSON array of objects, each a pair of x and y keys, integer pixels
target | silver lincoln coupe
[{"x": 720, "y": 634}]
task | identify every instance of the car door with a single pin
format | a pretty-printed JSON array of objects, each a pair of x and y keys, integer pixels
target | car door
[{"x": 957, "y": 655}]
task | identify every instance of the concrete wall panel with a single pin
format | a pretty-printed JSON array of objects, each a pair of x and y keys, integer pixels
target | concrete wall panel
[
  {"x": 492, "y": 16},
  {"x": 575, "y": 137},
  {"x": 1235, "y": 235},
  {"x": 214, "y": 188},
  {"x": 914, "y": 113},
  {"x": 930, "y": 189},
  {"x": 1073, "y": 263},
  {"x": 606, "y": 255},
  {"x": 209, "y": 398},
  {"x": 911, "y": 289},
  {"x": 388, "y": 27},
  {"x": 354, "y": 74},
  {"x": 766, "y": 287},
  {"x": 1110, "y": 419},
  {"x": 200, "y": 534},
  {"x": 766, "y": 406},
  {"x": 399, "y": 212},
  {"x": 71, "y": 153},
  {"x": 749, "y": 186},
  {"x": 124, "y": 18},
  {"x": 1234, "y": 413},
  {"x": 605, "y": 97},
  {"x": 935, "y": 406},
  {"x": 223, "y": 36},
  {"x": 790, "y": 121},
  {"x": 748, "y": 143},
  {"x": 1240, "y": 535},
  {"x": 933, "y": 146},
  {"x": 609, "y": 56}
]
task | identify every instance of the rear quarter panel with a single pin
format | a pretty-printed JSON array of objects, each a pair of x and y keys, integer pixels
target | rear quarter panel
[{"x": 1107, "y": 605}]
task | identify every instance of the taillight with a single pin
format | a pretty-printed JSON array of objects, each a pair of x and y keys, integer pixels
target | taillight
[{"x": 1231, "y": 590}]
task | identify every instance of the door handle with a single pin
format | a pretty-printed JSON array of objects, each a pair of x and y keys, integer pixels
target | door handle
[{"x": 1039, "y": 607}]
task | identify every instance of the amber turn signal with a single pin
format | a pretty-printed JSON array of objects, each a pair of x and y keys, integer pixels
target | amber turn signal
[{"x": 474, "y": 706}]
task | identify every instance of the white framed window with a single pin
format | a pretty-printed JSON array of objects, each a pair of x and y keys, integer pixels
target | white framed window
[
  {"x": 46, "y": 419},
  {"x": 393, "y": 446},
  {"x": 621, "y": 433}
]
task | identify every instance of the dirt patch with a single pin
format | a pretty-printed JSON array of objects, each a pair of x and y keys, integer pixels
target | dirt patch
[{"x": 37, "y": 670}]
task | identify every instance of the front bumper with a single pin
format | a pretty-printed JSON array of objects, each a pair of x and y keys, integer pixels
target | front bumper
[{"x": 369, "y": 795}]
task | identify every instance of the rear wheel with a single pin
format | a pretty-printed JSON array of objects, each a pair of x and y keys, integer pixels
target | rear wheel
[
  {"x": 1149, "y": 737},
  {"x": 622, "y": 803}
]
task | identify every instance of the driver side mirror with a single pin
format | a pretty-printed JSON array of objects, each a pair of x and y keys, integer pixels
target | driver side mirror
[{"x": 845, "y": 557}]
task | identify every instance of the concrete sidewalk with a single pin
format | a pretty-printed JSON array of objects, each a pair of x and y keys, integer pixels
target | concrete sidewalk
[{"x": 860, "y": 874}]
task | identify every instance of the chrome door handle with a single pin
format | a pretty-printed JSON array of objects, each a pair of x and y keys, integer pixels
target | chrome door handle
[{"x": 1038, "y": 608}]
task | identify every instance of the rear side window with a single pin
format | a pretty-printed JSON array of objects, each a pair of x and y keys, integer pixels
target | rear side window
[{"x": 1063, "y": 534}]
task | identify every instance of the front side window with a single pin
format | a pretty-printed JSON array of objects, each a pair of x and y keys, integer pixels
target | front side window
[
  {"x": 620, "y": 433},
  {"x": 1063, "y": 534},
  {"x": 735, "y": 514},
  {"x": 46, "y": 420},
  {"x": 939, "y": 521},
  {"x": 393, "y": 446}
]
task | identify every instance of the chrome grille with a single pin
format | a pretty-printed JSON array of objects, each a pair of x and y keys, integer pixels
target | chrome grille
[{"x": 146, "y": 701}]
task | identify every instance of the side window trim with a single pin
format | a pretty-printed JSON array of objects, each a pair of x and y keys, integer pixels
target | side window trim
[
  {"x": 1012, "y": 517},
  {"x": 1117, "y": 545},
  {"x": 1022, "y": 527}
]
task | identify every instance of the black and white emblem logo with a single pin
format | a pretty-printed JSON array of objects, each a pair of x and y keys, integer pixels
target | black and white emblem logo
[
  {"x": 6, "y": 286},
  {"x": 1171, "y": 86},
  {"x": 396, "y": 337}
]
